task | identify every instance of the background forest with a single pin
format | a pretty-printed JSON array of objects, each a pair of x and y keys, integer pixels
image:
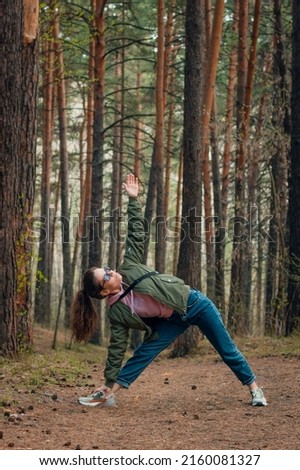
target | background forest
[{"x": 201, "y": 100}]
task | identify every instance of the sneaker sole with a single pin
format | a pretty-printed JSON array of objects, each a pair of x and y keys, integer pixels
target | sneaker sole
[
  {"x": 97, "y": 403},
  {"x": 260, "y": 404}
]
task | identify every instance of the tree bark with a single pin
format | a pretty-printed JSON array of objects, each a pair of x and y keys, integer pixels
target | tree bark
[
  {"x": 27, "y": 170},
  {"x": 96, "y": 232},
  {"x": 42, "y": 313},
  {"x": 10, "y": 124},
  {"x": 189, "y": 263},
  {"x": 236, "y": 301},
  {"x": 64, "y": 173},
  {"x": 160, "y": 242},
  {"x": 213, "y": 46},
  {"x": 293, "y": 308},
  {"x": 89, "y": 148}
]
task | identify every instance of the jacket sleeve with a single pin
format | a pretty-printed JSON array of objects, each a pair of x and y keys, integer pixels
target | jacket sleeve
[
  {"x": 135, "y": 241},
  {"x": 116, "y": 351}
]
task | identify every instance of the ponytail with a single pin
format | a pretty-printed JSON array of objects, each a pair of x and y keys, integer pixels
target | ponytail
[{"x": 83, "y": 316}]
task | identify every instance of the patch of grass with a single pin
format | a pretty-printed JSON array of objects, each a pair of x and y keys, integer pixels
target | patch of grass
[
  {"x": 270, "y": 346},
  {"x": 70, "y": 367},
  {"x": 264, "y": 346}
]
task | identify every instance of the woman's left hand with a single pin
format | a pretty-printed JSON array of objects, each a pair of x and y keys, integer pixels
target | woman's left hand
[{"x": 131, "y": 186}]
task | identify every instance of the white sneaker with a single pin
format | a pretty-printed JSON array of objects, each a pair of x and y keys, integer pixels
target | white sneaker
[
  {"x": 98, "y": 399},
  {"x": 258, "y": 398}
]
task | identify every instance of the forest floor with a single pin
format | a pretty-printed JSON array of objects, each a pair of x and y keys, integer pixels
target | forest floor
[{"x": 186, "y": 403}]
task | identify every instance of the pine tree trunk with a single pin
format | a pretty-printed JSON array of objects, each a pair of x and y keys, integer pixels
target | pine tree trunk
[
  {"x": 213, "y": 46},
  {"x": 189, "y": 263},
  {"x": 138, "y": 129},
  {"x": 150, "y": 203},
  {"x": 225, "y": 180},
  {"x": 255, "y": 202},
  {"x": 247, "y": 279},
  {"x": 293, "y": 308},
  {"x": 277, "y": 279},
  {"x": 27, "y": 165},
  {"x": 177, "y": 214},
  {"x": 95, "y": 252},
  {"x": 42, "y": 313},
  {"x": 10, "y": 125},
  {"x": 89, "y": 151},
  {"x": 169, "y": 79},
  {"x": 236, "y": 302},
  {"x": 160, "y": 242},
  {"x": 64, "y": 173}
]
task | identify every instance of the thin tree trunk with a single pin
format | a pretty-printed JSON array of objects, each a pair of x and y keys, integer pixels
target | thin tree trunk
[
  {"x": 79, "y": 230},
  {"x": 229, "y": 118},
  {"x": 278, "y": 252},
  {"x": 213, "y": 46},
  {"x": 236, "y": 305},
  {"x": 27, "y": 165},
  {"x": 190, "y": 247},
  {"x": 247, "y": 249},
  {"x": 169, "y": 81},
  {"x": 218, "y": 295},
  {"x": 160, "y": 242},
  {"x": 255, "y": 211},
  {"x": 123, "y": 81},
  {"x": 138, "y": 129},
  {"x": 116, "y": 184},
  {"x": 43, "y": 279},
  {"x": 177, "y": 214},
  {"x": 225, "y": 180},
  {"x": 89, "y": 149},
  {"x": 150, "y": 203},
  {"x": 95, "y": 252},
  {"x": 64, "y": 173}
]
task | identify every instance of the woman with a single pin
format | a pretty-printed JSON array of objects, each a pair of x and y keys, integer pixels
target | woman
[{"x": 161, "y": 305}]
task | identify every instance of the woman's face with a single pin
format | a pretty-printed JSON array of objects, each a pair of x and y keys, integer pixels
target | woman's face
[{"x": 110, "y": 286}]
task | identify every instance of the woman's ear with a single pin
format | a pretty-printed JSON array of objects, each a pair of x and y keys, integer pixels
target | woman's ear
[{"x": 104, "y": 292}]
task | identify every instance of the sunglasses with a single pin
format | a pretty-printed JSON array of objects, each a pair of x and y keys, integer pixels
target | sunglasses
[{"x": 107, "y": 275}]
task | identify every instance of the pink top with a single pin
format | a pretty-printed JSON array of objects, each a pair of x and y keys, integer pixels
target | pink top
[{"x": 142, "y": 305}]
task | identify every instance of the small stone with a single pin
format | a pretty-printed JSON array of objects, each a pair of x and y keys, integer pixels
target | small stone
[
  {"x": 67, "y": 444},
  {"x": 194, "y": 387},
  {"x": 1, "y": 434},
  {"x": 5, "y": 403}
]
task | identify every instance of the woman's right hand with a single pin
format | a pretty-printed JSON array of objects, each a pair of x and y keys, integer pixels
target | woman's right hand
[{"x": 104, "y": 389}]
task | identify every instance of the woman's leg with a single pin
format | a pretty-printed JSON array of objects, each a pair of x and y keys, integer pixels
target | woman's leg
[
  {"x": 146, "y": 352},
  {"x": 206, "y": 316}
]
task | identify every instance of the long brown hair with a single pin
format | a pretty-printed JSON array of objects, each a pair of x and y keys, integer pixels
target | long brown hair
[{"x": 83, "y": 314}]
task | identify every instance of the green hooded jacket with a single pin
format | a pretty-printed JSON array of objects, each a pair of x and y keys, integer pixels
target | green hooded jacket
[{"x": 167, "y": 289}]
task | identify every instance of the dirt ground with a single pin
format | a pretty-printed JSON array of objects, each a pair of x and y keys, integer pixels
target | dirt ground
[{"x": 188, "y": 403}]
